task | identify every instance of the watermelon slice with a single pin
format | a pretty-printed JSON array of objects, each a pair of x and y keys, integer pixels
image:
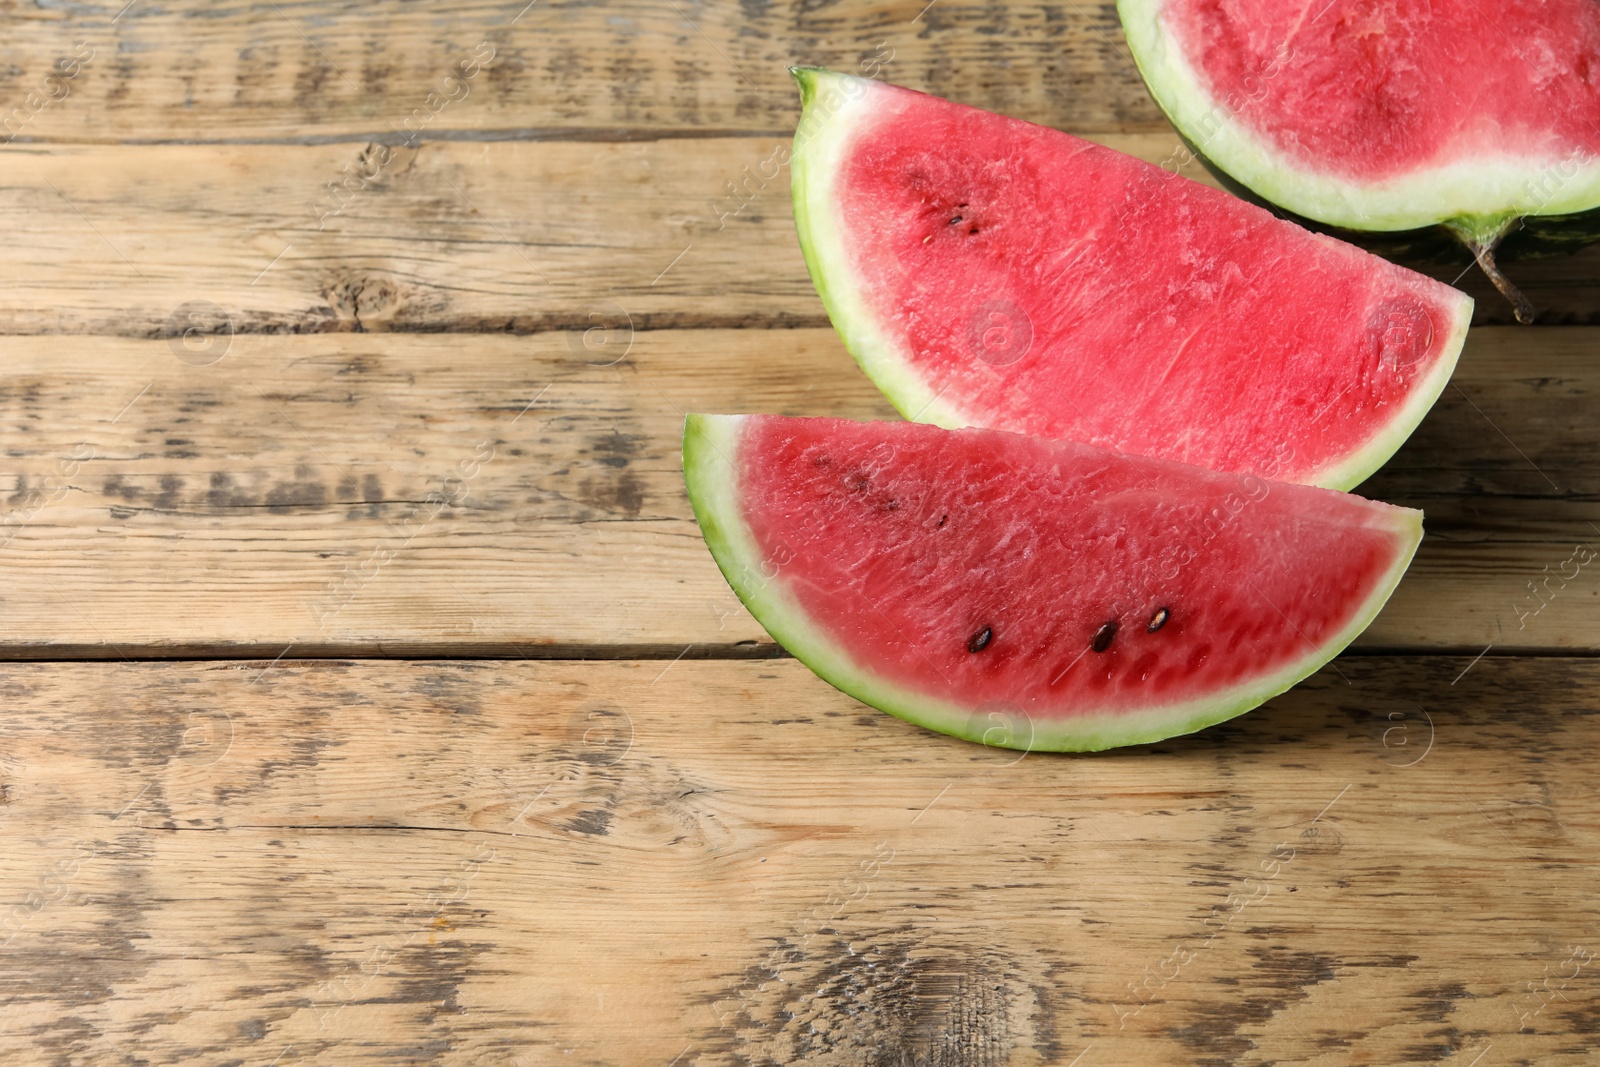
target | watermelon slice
[
  {"x": 1389, "y": 116},
  {"x": 1031, "y": 593},
  {"x": 988, "y": 272}
]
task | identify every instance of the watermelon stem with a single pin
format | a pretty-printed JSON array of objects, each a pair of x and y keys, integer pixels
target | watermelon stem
[{"x": 1481, "y": 243}]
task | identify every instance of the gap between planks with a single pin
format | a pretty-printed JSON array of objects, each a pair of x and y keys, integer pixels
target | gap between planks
[
  {"x": 453, "y": 237},
  {"x": 262, "y": 658},
  {"x": 481, "y": 853},
  {"x": 267, "y": 503}
]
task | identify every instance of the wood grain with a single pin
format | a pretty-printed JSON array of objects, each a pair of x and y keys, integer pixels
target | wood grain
[
  {"x": 511, "y": 238},
  {"x": 300, "y": 361},
  {"x": 278, "y": 499},
  {"x": 351, "y": 863},
  {"x": 514, "y": 238},
  {"x": 320, "y": 69}
]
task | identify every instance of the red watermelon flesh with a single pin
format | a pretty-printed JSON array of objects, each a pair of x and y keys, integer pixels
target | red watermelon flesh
[
  {"x": 1390, "y": 116},
  {"x": 1089, "y": 598},
  {"x": 989, "y": 272},
  {"x": 1374, "y": 90}
]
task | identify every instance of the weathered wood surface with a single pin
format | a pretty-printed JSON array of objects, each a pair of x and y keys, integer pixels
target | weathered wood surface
[
  {"x": 611, "y": 864},
  {"x": 492, "y": 237},
  {"x": 502, "y": 238},
  {"x": 435, "y": 409},
  {"x": 320, "y": 69},
  {"x": 279, "y": 498}
]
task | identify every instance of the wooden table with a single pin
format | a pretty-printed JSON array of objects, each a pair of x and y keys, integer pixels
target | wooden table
[{"x": 372, "y": 698}]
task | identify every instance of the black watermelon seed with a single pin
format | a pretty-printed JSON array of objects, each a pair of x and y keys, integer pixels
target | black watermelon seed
[
  {"x": 980, "y": 640},
  {"x": 1103, "y": 637},
  {"x": 942, "y": 518},
  {"x": 955, "y": 221},
  {"x": 1158, "y": 620}
]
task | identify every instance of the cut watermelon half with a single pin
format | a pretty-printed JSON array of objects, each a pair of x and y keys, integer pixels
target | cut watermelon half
[
  {"x": 1030, "y": 593},
  {"x": 985, "y": 271},
  {"x": 1389, "y": 116}
]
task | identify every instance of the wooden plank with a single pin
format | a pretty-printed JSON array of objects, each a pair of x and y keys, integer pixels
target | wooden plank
[
  {"x": 149, "y": 241},
  {"x": 518, "y": 863},
  {"x": 1565, "y": 288},
  {"x": 332, "y": 69},
  {"x": 501, "y": 238},
  {"x": 278, "y": 499}
]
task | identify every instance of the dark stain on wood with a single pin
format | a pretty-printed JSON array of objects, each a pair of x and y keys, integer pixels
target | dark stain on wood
[
  {"x": 309, "y": 83},
  {"x": 305, "y": 752},
  {"x": 595, "y": 69},
  {"x": 1213, "y": 1031},
  {"x": 1437, "y": 1003},
  {"x": 456, "y": 692},
  {"x": 592, "y": 821},
  {"x": 375, "y": 73},
  {"x": 621, "y": 495},
  {"x": 306, "y": 490},
  {"x": 620, "y": 490},
  {"x": 433, "y": 973},
  {"x": 892, "y": 998},
  {"x": 617, "y": 449},
  {"x": 369, "y": 490}
]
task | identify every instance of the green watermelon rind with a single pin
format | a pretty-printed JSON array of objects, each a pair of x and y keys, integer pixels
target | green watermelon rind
[
  {"x": 820, "y": 139},
  {"x": 711, "y": 460},
  {"x": 821, "y": 142},
  {"x": 1364, "y": 462},
  {"x": 1478, "y": 196}
]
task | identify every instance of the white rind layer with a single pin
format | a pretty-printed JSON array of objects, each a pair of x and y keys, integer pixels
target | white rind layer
[
  {"x": 1479, "y": 195},
  {"x": 1364, "y": 462},
  {"x": 839, "y": 108},
  {"x": 711, "y": 462}
]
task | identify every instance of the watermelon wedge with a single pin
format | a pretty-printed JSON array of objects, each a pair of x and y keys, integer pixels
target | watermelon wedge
[
  {"x": 1031, "y": 593},
  {"x": 988, "y": 272},
  {"x": 1388, "y": 117}
]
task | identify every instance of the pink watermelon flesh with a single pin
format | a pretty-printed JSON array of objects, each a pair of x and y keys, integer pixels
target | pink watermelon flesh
[
  {"x": 990, "y": 272},
  {"x": 1110, "y": 599},
  {"x": 1372, "y": 90}
]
